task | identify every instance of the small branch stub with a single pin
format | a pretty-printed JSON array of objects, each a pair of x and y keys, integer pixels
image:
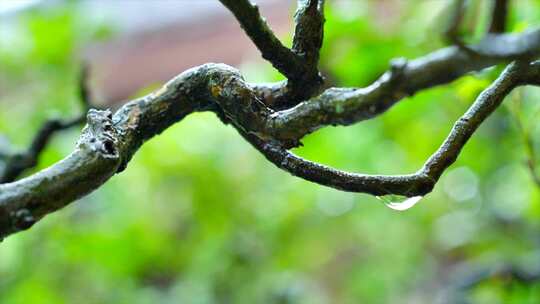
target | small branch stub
[{"x": 99, "y": 135}]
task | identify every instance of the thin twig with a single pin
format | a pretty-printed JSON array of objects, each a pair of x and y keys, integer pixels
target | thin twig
[{"x": 18, "y": 163}]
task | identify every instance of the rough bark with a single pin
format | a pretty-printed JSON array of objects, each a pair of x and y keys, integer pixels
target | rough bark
[{"x": 109, "y": 141}]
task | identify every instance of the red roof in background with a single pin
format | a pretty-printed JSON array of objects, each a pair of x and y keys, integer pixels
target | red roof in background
[{"x": 129, "y": 63}]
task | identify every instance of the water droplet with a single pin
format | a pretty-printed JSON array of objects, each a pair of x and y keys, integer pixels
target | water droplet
[{"x": 399, "y": 203}]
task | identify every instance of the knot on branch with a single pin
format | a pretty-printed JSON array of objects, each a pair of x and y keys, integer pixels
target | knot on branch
[
  {"x": 397, "y": 69},
  {"x": 236, "y": 101},
  {"x": 99, "y": 135},
  {"x": 22, "y": 219}
]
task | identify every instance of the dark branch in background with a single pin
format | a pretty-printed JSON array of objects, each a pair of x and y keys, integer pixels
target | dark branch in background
[
  {"x": 17, "y": 163},
  {"x": 495, "y": 44},
  {"x": 525, "y": 130},
  {"x": 452, "y": 34},
  {"x": 467, "y": 277},
  {"x": 498, "y": 16},
  {"x": 298, "y": 64},
  {"x": 109, "y": 141},
  {"x": 457, "y": 12}
]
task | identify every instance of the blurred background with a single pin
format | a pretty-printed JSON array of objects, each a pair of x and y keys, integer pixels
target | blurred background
[{"x": 200, "y": 217}]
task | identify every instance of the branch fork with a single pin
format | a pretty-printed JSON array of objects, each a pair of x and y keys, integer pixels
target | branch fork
[{"x": 272, "y": 117}]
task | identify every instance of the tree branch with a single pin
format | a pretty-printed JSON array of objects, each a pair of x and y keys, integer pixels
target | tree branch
[
  {"x": 309, "y": 31},
  {"x": 109, "y": 141},
  {"x": 523, "y": 46},
  {"x": 345, "y": 106},
  {"x": 423, "y": 181},
  {"x": 283, "y": 59},
  {"x": 495, "y": 44},
  {"x": 299, "y": 65}
]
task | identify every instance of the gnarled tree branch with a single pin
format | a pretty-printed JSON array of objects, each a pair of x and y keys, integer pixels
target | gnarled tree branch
[
  {"x": 345, "y": 106},
  {"x": 109, "y": 141},
  {"x": 423, "y": 181}
]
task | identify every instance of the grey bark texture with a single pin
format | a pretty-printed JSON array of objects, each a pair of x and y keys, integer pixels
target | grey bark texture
[{"x": 275, "y": 117}]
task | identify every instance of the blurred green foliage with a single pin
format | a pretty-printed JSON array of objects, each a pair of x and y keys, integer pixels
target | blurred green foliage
[{"x": 200, "y": 217}]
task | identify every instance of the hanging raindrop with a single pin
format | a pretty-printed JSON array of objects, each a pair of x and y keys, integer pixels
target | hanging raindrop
[{"x": 398, "y": 202}]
